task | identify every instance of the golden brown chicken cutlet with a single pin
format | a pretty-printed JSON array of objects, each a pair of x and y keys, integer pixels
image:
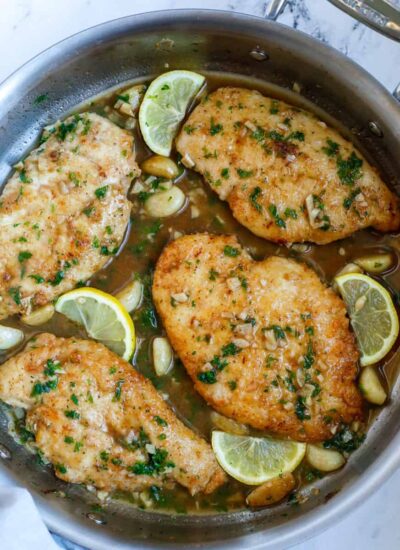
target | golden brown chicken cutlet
[
  {"x": 266, "y": 343},
  {"x": 102, "y": 423},
  {"x": 64, "y": 211},
  {"x": 285, "y": 174}
]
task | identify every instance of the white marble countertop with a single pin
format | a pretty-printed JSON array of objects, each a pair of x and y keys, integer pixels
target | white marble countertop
[{"x": 29, "y": 26}]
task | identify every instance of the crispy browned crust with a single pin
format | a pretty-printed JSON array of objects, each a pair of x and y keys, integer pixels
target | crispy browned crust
[
  {"x": 243, "y": 157},
  {"x": 93, "y": 374},
  {"x": 253, "y": 389},
  {"x": 53, "y": 219}
]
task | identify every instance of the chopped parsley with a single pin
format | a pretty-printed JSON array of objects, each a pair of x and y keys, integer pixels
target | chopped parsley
[
  {"x": 225, "y": 173},
  {"x": 276, "y": 136},
  {"x": 254, "y": 196},
  {"x": 299, "y": 136},
  {"x": 189, "y": 129},
  {"x": 148, "y": 317},
  {"x": 74, "y": 178},
  {"x": 15, "y": 294},
  {"x": 212, "y": 274},
  {"x": 64, "y": 129},
  {"x": 349, "y": 170},
  {"x": 215, "y": 128},
  {"x": 231, "y": 251},
  {"x": 279, "y": 333},
  {"x": 300, "y": 409},
  {"x": 40, "y": 98},
  {"x": 23, "y": 177},
  {"x": 118, "y": 390},
  {"x": 318, "y": 203},
  {"x": 143, "y": 196},
  {"x": 243, "y": 174},
  {"x": 274, "y": 213},
  {"x": 232, "y": 384},
  {"x": 23, "y": 433},
  {"x": 331, "y": 148},
  {"x": 156, "y": 464},
  {"x": 59, "y": 276},
  {"x": 51, "y": 368},
  {"x": 37, "y": 278},
  {"x": 258, "y": 134},
  {"x": 74, "y": 399},
  {"x": 289, "y": 381},
  {"x": 345, "y": 440},
  {"x": 101, "y": 192},
  {"x": 23, "y": 256},
  {"x": 290, "y": 213},
  {"x": 160, "y": 421},
  {"x": 274, "y": 108},
  {"x": 230, "y": 349},
  {"x": 309, "y": 358},
  {"x": 217, "y": 363},
  {"x": 45, "y": 387},
  {"x": 105, "y": 251},
  {"x": 208, "y": 377},
  {"x": 156, "y": 494},
  {"x": 88, "y": 211},
  {"x": 348, "y": 201},
  {"x": 72, "y": 414}
]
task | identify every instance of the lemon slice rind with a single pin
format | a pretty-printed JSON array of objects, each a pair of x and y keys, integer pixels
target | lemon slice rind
[
  {"x": 255, "y": 460},
  {"x": 104, "y": 318},
  {"x": 382, "y": 318},
  {"x": 164, "y": 106}
]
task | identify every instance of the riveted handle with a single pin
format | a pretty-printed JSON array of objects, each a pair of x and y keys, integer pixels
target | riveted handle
[
  {"x": 274, "y": 8},
  {"x": 381, "y": 15}
]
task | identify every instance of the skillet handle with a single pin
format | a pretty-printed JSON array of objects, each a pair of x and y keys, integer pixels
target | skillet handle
[
  {"x": 380, "y": 15},
  {"x": 274, "y": 8}
]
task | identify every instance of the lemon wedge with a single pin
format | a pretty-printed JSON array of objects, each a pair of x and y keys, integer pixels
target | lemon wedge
[
  {"x": 164, "y": 107},
  {"x": 372, "y": 313},
  {"x": 255, "y": 460},
  {"x": 104, "y": 318}
]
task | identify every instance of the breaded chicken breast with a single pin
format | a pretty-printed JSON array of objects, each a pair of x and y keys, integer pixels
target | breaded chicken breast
[
  {"x": 64, "y": 211},
  {"x": 285, "y": 175},
  {"x": 266, "y": 343},
  {"x": 102, "y": 423}
]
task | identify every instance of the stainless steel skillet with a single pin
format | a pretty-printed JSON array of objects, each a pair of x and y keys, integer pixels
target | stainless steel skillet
[{"x": 107, "y": 55}]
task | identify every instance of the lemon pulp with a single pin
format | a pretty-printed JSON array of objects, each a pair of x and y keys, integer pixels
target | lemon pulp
[
  {"x": 372, "y": 314},
  {"x": 255, "y": 460},
  {"x": 103, "y": 316},
  {"x": 164, "y": 107}
]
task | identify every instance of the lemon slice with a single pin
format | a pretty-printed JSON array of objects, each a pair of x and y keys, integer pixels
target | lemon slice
[
  {"x": 372, "y": 314},
  {"x": 164, "y": 106},
  {"x": 254, "y": 460},
  {"x": 104, "y": 318}
]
